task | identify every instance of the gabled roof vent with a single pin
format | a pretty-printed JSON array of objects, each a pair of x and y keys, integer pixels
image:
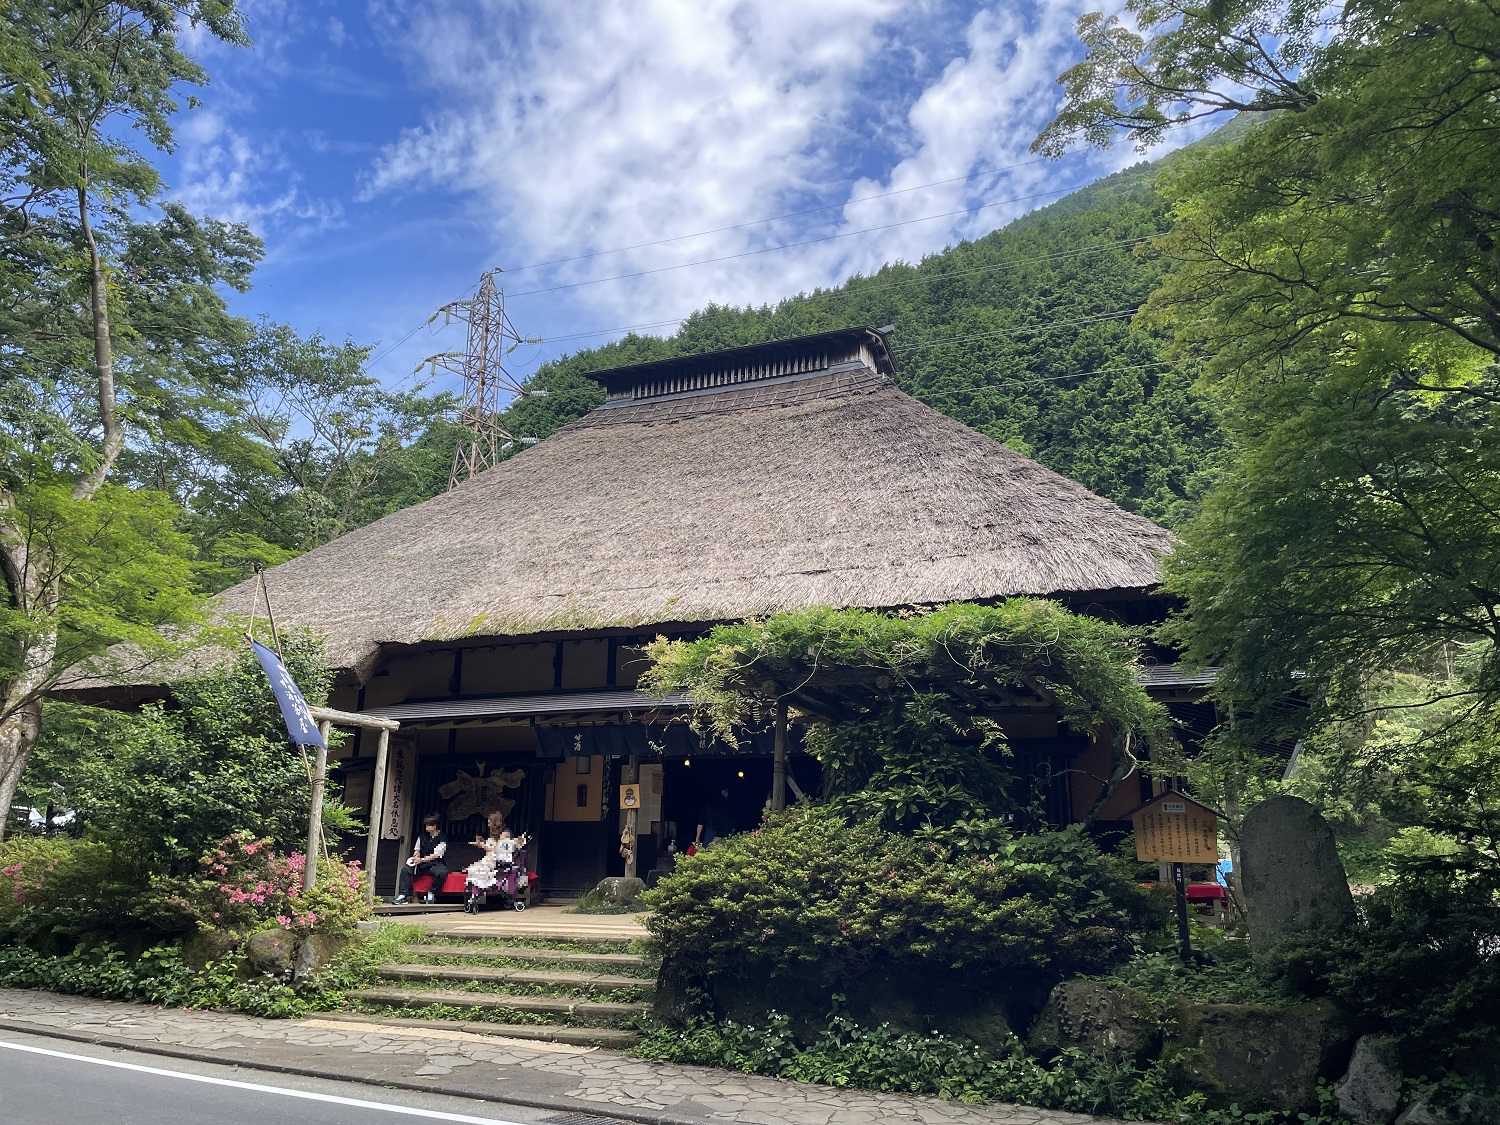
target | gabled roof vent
[{"x": 845, "y": 349}]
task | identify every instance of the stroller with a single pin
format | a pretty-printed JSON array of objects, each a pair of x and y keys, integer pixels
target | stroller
[{"x": 512, "y": 886}]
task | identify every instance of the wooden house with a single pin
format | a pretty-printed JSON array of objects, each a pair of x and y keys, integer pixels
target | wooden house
[{"x": 501, "y": 623}]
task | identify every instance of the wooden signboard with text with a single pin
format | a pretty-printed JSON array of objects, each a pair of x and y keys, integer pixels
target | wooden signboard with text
[{"x": 1172, "y": 828}]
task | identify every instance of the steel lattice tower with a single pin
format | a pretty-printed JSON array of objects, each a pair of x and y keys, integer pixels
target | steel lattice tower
[{"x": 491, "y": 338}]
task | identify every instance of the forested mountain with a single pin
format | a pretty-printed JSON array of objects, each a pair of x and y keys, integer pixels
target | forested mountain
[{"x": 1024, "y": 334}]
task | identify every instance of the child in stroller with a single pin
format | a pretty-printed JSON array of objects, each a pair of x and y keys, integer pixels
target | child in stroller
[{"x": 500, "y": 871}]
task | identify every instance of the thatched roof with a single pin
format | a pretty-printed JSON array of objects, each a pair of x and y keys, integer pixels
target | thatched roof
[{"x": 716, "y": 488}]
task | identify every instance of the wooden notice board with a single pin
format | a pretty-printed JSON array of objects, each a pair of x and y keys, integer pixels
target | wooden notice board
[{"x": 1172, "y": 828}]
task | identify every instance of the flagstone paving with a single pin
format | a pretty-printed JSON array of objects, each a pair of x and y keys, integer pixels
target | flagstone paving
[{"x": 550, "y": 1075}]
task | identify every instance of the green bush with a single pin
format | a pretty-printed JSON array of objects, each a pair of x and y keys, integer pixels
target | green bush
[
  {"x": 811, "y": 888},
  {"x": 160, "y": 975},
  {"x": 61, "y": 888},
  {"x": 170, "y": 782}
]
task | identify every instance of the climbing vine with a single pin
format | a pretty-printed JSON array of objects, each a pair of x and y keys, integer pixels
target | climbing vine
[{"x": 918, "y": 745}]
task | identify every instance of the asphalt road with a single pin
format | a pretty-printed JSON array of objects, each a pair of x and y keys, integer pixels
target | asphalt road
[{"x": 55, "y": 1082}]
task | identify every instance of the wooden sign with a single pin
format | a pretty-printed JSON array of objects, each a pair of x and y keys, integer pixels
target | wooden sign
[
  {"x": 630, "y": 796},
  {"x": 1172, "y": 828}
]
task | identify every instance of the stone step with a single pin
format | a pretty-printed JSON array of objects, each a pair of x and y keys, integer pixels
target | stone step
[
  {"x": 532, "y": 953},
  {"x": 606, "y": 982},
  {"x": 512, "y": 925},
  {"x": 391, "y": 910},
  {"x": 616, "y": 1037},
  {"x": 602, "y": 1010}
]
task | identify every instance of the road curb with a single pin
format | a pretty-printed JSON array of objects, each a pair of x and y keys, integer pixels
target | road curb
[{"x": 189, "y": 1054}]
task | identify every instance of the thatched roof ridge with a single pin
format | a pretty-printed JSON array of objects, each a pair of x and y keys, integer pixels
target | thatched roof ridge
[{"x": 816, "y": 489}]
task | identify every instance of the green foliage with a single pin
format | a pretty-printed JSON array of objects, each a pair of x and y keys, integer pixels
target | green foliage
[
  {"x": 160, "y": 975},
  {"x": 171, "y": 783},
  {"x": 57, "y": 889},
  {"x": 917, "y": 759},
  {"x": 846, "y": 1054},
  {"x": 813, "y": 890},
  {"x": 114, "y": 569},
  {"x": 1424, "y": 962},
  {"x": 1225, "y": 974}
]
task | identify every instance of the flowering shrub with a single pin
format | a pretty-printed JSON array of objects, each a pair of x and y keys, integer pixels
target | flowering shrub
[
  {"x": 243, "y": 884},
  {"x": 62, "y": 887}
]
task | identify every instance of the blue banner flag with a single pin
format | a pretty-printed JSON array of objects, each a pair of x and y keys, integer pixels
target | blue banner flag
[{"x": 300, "y": 723}]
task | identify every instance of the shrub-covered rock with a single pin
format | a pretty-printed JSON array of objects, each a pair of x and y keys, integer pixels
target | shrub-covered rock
[
  {"x": 813, "y": 904},
  {"x": 1110, "y": 1021},
  {"x": 1256, "y": 1056}
]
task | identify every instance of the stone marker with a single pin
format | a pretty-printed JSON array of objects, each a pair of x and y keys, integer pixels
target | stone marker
[
  {"x": 620, "y": 890},
  {"x": 1370, "y": 1092},
  {"x": 1293, "y": 880}
]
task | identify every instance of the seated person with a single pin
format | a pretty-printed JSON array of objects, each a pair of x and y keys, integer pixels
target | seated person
[{"x": 426, "y": 859}]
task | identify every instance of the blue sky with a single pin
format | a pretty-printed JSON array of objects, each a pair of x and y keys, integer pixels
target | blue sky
[{"x": 388, "y": 152}]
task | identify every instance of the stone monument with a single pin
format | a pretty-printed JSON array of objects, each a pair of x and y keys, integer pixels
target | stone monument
[{"x": 1293, "y": 879}]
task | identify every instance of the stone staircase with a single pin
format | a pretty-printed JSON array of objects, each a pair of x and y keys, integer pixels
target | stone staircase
[{"x": 580, "y": 993}]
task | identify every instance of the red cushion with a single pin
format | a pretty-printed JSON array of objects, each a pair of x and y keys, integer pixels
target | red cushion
[
  {"x": 454, "y": 883},
  {"x": 1205, "y": 892},
  {"x": 421, "y": 884}
]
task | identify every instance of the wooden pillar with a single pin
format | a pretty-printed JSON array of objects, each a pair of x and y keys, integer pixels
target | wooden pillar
[
  {"x": 778, "y": 762},
  {"x": 628, "y": 840},
  {"x": 377, "y": 811},
  {"x": 315, "y": 819}
]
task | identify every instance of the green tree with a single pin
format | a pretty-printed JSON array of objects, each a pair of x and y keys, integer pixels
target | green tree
[
  {"x": 77, "y": 79},
  {"x": 168, "y": 782},
  {"x": 1336, "y": 274},
  {"x": 318, "y": 448}
]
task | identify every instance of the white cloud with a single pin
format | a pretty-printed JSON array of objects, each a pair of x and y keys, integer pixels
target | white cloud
[
  {"x": 580, "y": 127},
  {"x": 224, "y": 175}
]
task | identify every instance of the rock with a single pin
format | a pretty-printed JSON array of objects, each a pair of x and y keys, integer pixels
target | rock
[
  {"x": 209, "y": 945},
  {"x": 1420, "y": 1113},
  {"x": 1371, "y": 1090},
  {"x": 679, "y": 998},
  {"x": 370, "y": 927},
  {"x": 1290, "y": 872},
  {"x": 947, "y": 1003},
  {"x": 1258, "y": 1056},
  {"x": 1470, "y": 1109},
  {"x": 314, "y": 952},
  {"x": 620, "y": 891},
  {"x": 272, "y": 952},
  {"x": 1477, "y": 1109},
  {"x": 1110, "y": 1021}
]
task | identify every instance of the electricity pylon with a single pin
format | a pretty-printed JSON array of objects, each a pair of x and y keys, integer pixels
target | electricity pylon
[{"x": 481, "y": 364}]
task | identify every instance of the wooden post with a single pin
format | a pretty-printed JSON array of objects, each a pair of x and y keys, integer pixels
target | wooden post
[
  {"x": 1179, "y": 884},
  {"x": 778, "y": 761},
  {"x": 377, "y": 811},
  {"x": 315, "y": 820},
  {"x": 629, "y": 841}
]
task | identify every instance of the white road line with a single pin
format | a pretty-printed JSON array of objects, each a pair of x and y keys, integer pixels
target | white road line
[{"x": 434, "y": 1115}]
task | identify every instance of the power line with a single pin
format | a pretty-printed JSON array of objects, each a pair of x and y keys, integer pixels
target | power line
[
  {"x": 777, "y": 218},
  {"x": 790, "y": 245}
]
